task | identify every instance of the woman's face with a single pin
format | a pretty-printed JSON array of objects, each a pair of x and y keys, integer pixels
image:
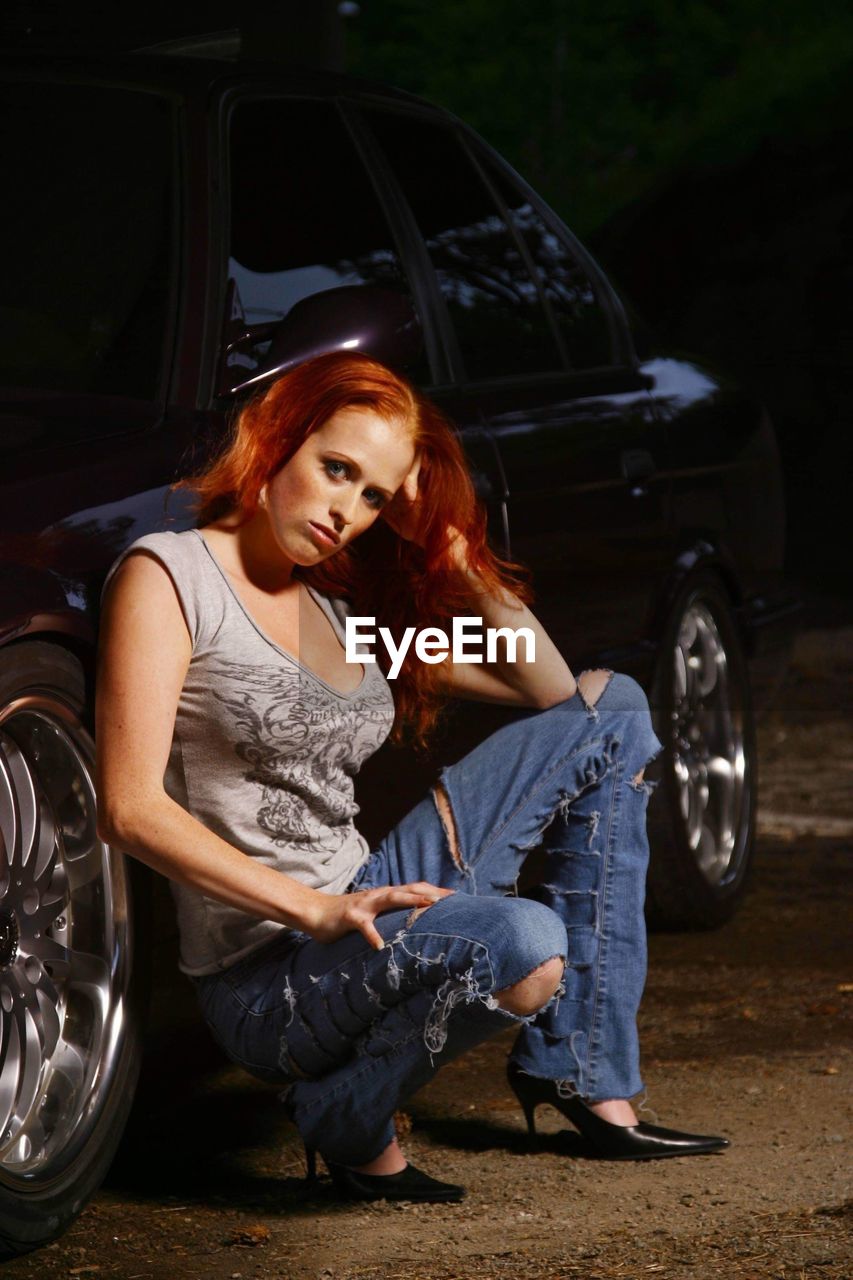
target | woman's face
[{"x": 336, "y": 483}]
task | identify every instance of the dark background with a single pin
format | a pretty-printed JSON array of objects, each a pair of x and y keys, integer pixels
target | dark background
[{"x": 701, "y": 149}]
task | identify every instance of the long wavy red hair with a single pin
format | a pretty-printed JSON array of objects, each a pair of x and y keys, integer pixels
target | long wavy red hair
[{"x": 398, "y": 582}]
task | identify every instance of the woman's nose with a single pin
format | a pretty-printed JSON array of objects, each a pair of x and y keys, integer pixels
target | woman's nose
[{"x": 342, "y": 508}]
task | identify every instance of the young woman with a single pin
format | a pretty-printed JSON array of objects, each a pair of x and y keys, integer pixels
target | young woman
[{"x": 230, "y": 726}]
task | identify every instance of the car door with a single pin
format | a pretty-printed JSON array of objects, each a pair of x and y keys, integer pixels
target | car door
[{"x": 539, "y": 358}]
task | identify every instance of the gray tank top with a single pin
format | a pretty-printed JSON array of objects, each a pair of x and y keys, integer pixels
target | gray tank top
[{"x": 264, "y": 752}]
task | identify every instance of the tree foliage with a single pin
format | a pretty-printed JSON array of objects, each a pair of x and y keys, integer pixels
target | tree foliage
[{"x": 595, "y": 100}]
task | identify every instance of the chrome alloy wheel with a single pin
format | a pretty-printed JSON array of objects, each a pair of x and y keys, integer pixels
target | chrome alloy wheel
[
  {"x": 708, "y": 752},
  {"x": 64, "y": 942}
]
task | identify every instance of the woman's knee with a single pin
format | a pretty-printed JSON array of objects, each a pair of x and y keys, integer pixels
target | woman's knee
[
  {"x": 533, "y": 991},
  {"x": 609, "y": 690},
  {"x": 592, "y": 684},
  {"x": 534, "y": 946},
  {"x": 623, "y": 693},
  {"x": 514, "y": 948}
]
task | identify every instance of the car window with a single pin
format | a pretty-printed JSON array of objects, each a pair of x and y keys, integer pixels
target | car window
[
  {"x": 501, "y": 326},
  {"x": 570, "y": 292},
  {"x": 305, "y": 216},
  {"x": 87, "y": 235}
]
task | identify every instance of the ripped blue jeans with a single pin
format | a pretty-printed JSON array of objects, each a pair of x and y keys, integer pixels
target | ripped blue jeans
[{"x": 356, "y": 1031}]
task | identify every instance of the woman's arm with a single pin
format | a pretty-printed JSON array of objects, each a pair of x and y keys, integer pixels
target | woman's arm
[
  {"x": 540, "y": 683},
  {"x": 144, "y": 654}
]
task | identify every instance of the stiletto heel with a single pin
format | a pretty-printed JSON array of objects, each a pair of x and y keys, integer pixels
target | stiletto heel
[
  {"x": 612, "y": 1141},
  {"x": 529, "y": 1109}
]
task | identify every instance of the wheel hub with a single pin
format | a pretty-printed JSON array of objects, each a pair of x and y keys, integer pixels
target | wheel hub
[{"x": 9, "y": 936}]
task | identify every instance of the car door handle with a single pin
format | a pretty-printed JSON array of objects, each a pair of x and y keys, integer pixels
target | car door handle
[
  {"x": 637, "y": 464},
  {"x": 637, "y": 467}
]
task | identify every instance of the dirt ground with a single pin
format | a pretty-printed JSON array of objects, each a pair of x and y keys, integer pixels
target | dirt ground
[{"x": 746, "y": 1032}]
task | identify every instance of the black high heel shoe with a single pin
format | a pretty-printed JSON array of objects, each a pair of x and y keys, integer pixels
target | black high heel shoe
[
  {"x": 409, "y": 1184},
  {"x": 611, "y": 1141}
]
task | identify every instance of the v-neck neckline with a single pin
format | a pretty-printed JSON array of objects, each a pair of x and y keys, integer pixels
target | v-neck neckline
[{"x": 316, "y": 596}]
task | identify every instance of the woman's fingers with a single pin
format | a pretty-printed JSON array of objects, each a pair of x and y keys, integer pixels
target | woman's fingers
[
  {"x": 362, "y": 908},
  {"x": 363, "y": 918},
  {"x": 432, "y": 891},
  {"x": 370, "y": 932},
  {"x": 402, "y": 512},
  {"x": 410, "y": 484},
  {"x": 411, "y": 895},
  {"x": 387, "y": 898}
]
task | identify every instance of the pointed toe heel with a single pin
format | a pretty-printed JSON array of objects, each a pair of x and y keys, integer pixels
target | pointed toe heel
[
  {"x": 610, "y": 1141},
  {"x": 409, "y": 1184}
]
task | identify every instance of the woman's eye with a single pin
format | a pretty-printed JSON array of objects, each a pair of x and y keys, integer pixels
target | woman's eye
[{"x": 340, "y": 471}]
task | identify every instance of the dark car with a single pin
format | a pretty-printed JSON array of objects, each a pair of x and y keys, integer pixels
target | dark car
[{"x": 177, "y": 231}]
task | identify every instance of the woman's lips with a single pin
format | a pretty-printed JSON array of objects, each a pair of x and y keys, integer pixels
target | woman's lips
[{"x": 326, "y": 537}]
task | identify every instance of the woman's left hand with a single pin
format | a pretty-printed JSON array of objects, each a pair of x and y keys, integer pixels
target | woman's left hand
[{"x": 405, "y": 514}]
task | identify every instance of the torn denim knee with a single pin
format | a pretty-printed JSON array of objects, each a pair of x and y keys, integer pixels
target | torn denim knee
[
  {"x": 464, "y": 990},
  {"x": 454, "y": 990},
  {"x": 451, "y": 993},
  {"x": 591, "y": 708}
]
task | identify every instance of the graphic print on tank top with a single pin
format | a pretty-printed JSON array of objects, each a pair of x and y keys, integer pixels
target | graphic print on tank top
[{"x": 301, "y": 743}]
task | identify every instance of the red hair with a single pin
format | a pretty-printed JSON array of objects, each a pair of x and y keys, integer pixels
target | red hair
[{"x": 398, "y": 582}]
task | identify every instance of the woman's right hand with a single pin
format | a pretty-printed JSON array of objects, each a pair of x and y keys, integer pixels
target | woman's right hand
[{"x": 342, "y": 913}]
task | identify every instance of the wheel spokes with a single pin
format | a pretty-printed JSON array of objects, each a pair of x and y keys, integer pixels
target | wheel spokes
[
  {"x": 8, "y": 1060},
  {"x": 90, "y": 978},
  {"x": 21, "y": 1062},
  {"x": 63, "y": 937},
  {"x": 707, "y": 748}
]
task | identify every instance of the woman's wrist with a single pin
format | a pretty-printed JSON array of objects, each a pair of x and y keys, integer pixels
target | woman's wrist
[{"x": 301, "y": 907}]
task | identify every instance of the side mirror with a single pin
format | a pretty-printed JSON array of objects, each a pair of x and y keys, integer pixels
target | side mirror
[{"x": 380, "y": 322}]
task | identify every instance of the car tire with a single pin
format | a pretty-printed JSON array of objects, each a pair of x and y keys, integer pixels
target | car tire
[
  {"x": 702, "y": 817},
  {"x": 70, "y": 1001}
]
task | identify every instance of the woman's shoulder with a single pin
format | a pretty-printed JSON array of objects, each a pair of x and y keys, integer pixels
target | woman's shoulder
[
  {"x": 176, "y": 551},
  {"x": 167, "y": 542},
  {"x": 183, "y": 557}
]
